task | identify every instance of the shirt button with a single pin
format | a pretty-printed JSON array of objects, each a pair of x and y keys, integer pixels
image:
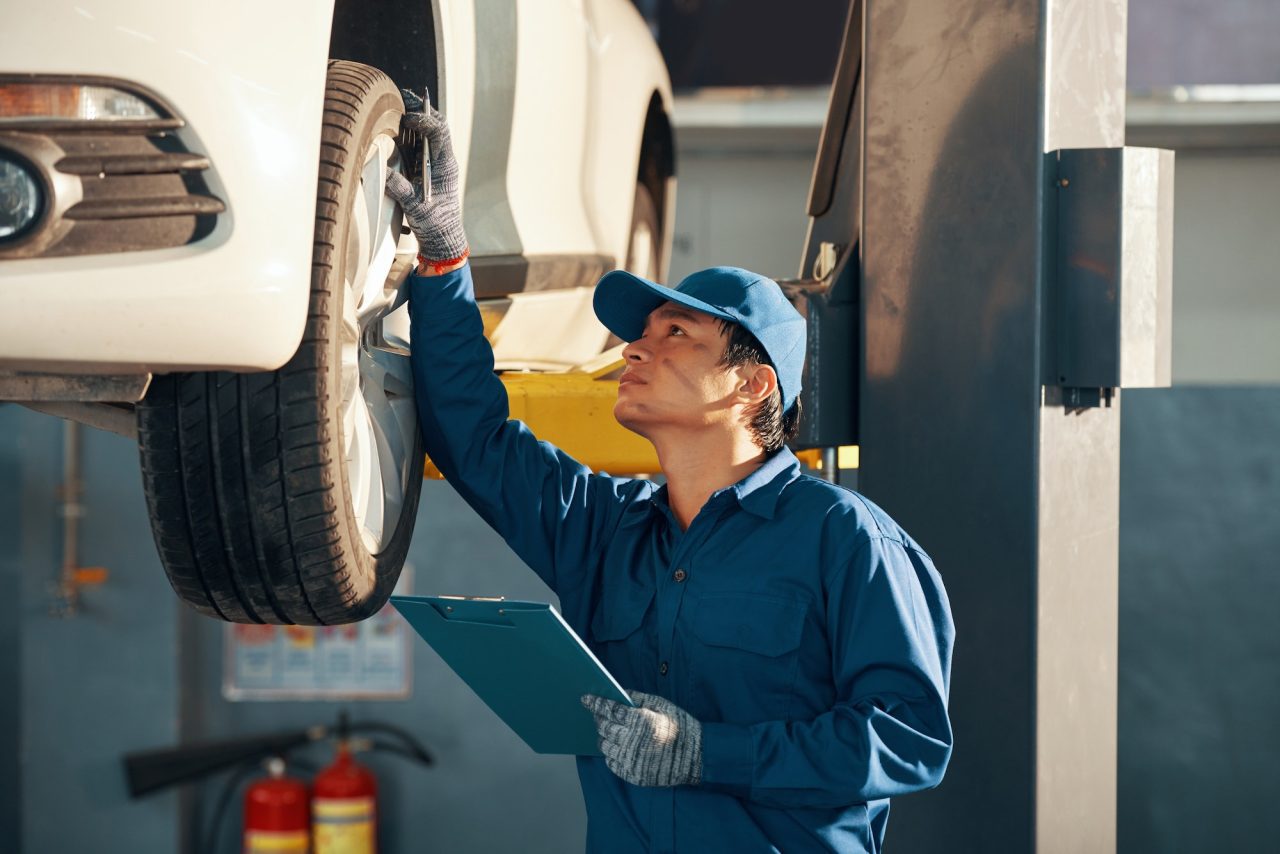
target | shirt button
[
  {"x": 662, "y": 668},
  {"x": 680, "y": 575}
]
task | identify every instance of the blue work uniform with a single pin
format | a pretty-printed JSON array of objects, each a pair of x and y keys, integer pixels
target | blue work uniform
[{"x": 806, "y": 631}]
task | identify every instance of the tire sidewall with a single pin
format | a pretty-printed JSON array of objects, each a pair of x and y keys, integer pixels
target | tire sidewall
[{"x": 374, "y": 575}]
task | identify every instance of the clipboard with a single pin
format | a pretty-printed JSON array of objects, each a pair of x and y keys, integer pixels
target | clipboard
[{"x": 523, "y": 660}]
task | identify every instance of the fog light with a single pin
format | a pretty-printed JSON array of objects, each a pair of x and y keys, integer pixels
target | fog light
[{"x": 20, "y": 198}]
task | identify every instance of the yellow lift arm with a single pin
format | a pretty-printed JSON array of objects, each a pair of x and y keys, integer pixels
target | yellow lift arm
[{"x": 573, "y": 410}]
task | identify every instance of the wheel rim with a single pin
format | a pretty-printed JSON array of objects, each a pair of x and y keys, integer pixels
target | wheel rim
[{"x": 378, "y": 418}]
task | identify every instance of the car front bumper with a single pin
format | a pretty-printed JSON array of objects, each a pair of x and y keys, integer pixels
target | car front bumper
[{"x": 251, "y": 102}]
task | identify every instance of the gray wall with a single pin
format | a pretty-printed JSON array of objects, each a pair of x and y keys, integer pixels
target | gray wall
[
  {"x": 82, "y": 690},
  {"x": 113, "y": 679},
  {"x": 1173, "y": 42},
  {"x": 1199, "y": 706},
  {"x": 1226, "y": 268}
]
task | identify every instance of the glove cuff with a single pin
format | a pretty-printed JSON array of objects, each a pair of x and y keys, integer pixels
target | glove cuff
[
  {"x": 437, "y": 267},
  {"x": 694, "y": 730},
  {"x": 441, "y": 239}
]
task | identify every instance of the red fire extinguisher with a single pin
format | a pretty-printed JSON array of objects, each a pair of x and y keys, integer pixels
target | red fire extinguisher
[
  {"x": 344, "y": 805},
  {"x": 275, "y": 813}
]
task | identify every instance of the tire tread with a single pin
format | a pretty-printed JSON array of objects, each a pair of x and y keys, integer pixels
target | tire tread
[{"x": 244, "y": 481}]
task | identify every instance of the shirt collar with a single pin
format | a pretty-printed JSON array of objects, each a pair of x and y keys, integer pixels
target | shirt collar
[{"x": 757, "y": 493}]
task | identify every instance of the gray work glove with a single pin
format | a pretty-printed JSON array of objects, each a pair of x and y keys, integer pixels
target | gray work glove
[
  {"x": 655, "y": 744},
  {"x": 436, "y": 219}
]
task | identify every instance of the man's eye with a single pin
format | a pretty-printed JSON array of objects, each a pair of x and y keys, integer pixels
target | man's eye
[{"x": 676, "y": 330}]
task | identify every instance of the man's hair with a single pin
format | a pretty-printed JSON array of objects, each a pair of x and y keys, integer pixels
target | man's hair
[{"x": 769, "y": 426}]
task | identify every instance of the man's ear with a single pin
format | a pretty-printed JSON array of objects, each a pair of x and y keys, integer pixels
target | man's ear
[{"x": 756, "y": 384}]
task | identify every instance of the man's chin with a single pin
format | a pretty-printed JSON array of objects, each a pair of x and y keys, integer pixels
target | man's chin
[{"x": 627, "y": 417}]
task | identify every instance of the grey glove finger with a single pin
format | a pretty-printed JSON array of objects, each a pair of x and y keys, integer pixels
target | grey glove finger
[
  {"x": 645, "y": 701},
  {"x": 612, "y": 732},
  {"x": 444, "y": 166},
  {"x": 427, "y": 120},
  {"x": 417, "y": 212},
  {"x": 654, "y": 703},
  {"x": 400, "y": 190},
  {"x": 612, "y": 748},
  {"x": 432, "y": 124},
  {"x": 593, "y": 704},
  {"x": 607, "y": 709},
  {"x": 412, "y": 102}
]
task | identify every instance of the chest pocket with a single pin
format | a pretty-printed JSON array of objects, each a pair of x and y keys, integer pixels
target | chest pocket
[
  {"x": 743, "y": 655},
  {"x": 619, "y": 641}
]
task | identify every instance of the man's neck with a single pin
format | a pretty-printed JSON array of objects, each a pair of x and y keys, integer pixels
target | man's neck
[{"x": 698, "y": 465}]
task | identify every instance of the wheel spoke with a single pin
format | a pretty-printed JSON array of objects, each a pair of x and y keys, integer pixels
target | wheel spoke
[
  {"x": 350, "y": 322},
  {"x": 388, "y": 159},
  {"x": 392, "y": 453},
  {"x": 358, "y": 249},
  {"x": 350, "y": 380},
  {"x": 348, "y": 368},
  {"x": 372, "y": 193},
  {"x": 395, "y": 329},
  {"x": 359, "y": 448},
  {"x": 377, "y": 298},
  {"x": 373, "y": 518},
  {"x": 388, "y": 369},
  {"x": 384, "y": 421}
]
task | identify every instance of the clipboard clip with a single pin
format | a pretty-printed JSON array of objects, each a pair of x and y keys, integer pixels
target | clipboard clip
[{"x": 474, "y": 599}]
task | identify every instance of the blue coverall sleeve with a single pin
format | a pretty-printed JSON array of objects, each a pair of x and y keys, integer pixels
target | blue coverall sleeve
[
  {"x": 888, "y": 733},
  {"x": 553, "y": 512}
]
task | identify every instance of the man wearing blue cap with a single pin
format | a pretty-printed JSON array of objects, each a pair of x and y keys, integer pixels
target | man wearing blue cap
[{"x": 787, "y": 645}]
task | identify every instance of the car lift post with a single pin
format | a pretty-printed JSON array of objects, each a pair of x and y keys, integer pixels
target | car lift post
[{"x": 982, "y": 430}]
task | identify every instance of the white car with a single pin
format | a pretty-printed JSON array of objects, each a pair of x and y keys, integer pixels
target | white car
[{"x": 195, "y": 248}]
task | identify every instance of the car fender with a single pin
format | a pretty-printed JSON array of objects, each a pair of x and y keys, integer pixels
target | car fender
[
  {"x": 628, "y": 71},
  {"x": 248, "y": 80}
]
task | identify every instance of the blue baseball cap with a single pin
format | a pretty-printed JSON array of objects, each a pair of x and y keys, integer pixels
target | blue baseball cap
[{"x": 624, "y": 301}]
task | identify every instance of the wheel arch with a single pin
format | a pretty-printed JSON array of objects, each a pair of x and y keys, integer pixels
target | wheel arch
[
  {"x": 398, "y": 37},
  {"x": 657, "y": 170}
]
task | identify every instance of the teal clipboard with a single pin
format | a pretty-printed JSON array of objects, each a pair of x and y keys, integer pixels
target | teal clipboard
[{"x": 523, "y": 660}]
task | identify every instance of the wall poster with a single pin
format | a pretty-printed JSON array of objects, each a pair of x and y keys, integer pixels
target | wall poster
[{"x": 367, "y": 660}]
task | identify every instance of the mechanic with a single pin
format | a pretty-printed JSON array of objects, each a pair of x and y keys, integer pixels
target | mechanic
[{"x": 787, "y": 644}]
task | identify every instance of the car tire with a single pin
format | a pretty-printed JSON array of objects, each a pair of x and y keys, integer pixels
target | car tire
[
  {"x": 264, "y": 503},
  {"x": 644, "y": 248}
]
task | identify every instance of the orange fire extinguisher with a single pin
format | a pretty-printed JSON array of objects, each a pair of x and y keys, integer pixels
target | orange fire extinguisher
[
  {"x": 344, "y": 805},
  {"x": 276, "y": 817}
]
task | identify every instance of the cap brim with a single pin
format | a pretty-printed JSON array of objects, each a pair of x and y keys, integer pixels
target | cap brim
[{"x": 624, "y": 301}]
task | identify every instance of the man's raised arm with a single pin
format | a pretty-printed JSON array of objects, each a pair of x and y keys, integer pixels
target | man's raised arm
[{"x": 549, "y": 508}]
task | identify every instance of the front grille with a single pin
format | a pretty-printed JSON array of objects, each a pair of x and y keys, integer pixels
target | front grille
[{"x": 113, "y": 186}]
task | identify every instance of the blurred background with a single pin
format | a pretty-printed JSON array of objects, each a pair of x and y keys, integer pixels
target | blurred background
[{"x": 1199, "y": 681}]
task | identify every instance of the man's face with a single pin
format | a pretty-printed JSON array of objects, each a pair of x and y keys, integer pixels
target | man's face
[{"x": 673, "y": 376}]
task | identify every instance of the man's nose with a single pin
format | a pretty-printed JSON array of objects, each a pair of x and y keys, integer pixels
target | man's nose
[{"x": 636, "y": 351}]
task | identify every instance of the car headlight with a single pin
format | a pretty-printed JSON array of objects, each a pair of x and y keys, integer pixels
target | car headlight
[
  {"x": 22, "y": 101},
  {"x": 21, "y": 198}
]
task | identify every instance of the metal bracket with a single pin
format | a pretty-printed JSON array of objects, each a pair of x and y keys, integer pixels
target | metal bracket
[{"x": 1111, "y": 272}]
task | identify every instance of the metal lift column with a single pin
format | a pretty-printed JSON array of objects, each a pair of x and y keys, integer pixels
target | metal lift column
[{"x": 980, "y": 430}]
